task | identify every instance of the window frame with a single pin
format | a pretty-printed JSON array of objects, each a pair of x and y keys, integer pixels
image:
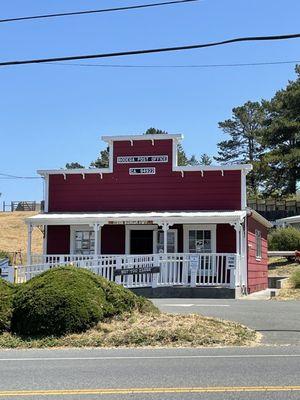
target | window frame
[
  {"x": 258, "y": 245},
  {"x": 73, "y": 230},
  {"x": 200, "y": 227}
]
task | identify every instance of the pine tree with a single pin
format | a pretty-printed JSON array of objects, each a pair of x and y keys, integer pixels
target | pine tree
[
  {"x": 73, "y": 165},
  {"x": 282, "y": 136},
  {"x": 244, "y": 145}
]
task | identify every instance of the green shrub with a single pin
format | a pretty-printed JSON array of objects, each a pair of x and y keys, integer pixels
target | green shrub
[
  {"x": 68, "y": 300},
  {"x": 5, "y": 254},
  {"x": 295, "y": 279},
  {"x": 7, "y": 291},
  {"x": 284, "y": 239}
]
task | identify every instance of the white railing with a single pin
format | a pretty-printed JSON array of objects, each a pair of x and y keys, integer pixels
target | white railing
[{"x": 176, "y": 269}]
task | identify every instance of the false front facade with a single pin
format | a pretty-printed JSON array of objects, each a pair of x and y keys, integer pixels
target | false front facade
[{"x": 145, "y": 211}]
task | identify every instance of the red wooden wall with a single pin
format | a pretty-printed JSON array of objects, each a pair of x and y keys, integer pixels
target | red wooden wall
[
  {"x": 166, "y": 190},
  {"x": 113, "y": 239},
  {"x": 257, "y": 269}
]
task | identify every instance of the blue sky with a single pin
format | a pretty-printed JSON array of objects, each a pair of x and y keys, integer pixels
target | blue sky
[{"x": 52, "y": 114}]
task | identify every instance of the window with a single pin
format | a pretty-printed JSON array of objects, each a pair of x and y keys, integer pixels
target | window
[
  {"x": 200, "y": 241},
  {"x": 171, "y": 241},
  {"x": 84, "y": 242},
  {"x": 258, "y": 242}
]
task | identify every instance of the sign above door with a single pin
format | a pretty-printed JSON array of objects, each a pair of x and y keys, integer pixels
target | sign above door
[{"x": 142, "y": 159}]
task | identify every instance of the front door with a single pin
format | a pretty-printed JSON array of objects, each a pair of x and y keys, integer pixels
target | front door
[{"x": 141, "y": 241}]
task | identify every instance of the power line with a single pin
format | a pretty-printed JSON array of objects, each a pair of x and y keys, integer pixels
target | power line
[
  {"x": 179, "y": 66},
  {"x": 150, "y": 51},
  {"x": 67, "y": 14},
  {"x": 8, "y": 176}
]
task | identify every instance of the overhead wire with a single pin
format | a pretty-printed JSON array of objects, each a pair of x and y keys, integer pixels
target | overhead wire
[
  {"x": 104, "y": 10},
  {"x": 151, "y": 51}
]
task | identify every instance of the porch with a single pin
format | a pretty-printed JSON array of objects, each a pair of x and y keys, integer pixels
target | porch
[
  {"x": 176, "y": 269},
  {"x": 190, "y": 249}
]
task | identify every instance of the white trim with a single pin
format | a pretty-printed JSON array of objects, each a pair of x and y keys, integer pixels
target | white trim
[
  {"x": 130, "y": 138},
  {"x": 172, "y": 217},
  {"x": 169, "y": 230},
  {"x": 259, "y": 218},
  {"x": 198, "y": 168},
  {"x": 258, "y": 236},
  {"x": 244, "y": 189},
  {"x": 45, "y": 240},
  {"x": 129, "y": 228},
  {"x": 211, "y": 227},
  {"x": 73, "y": 229},
  {"x": 46, "y": 193}
]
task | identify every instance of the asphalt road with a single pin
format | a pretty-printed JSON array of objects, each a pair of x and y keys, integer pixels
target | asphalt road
[
  {"x": 189, "y": 374},
  {"x": 278, "y": 321}
]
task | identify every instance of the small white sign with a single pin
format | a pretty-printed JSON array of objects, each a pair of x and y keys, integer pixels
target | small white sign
[
  {"x": 142, "y": 171},
  {"x": 194, "y": 262},
  {"x": 142, "y": 159}
]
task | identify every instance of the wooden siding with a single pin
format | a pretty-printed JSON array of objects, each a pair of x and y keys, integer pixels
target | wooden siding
[
  {"x": 166, "y": 190},
  {"x": 113, "y": 239},
  {"x": 58, "y": 239},
  {"x": 257, "y": 268},
  {"x": 226, "y": 240}
]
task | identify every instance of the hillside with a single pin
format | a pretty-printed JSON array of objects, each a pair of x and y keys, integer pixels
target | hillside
[{"x": 13, "y": 233}]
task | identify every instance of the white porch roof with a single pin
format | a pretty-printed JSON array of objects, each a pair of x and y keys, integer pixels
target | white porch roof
[{"x": 174, "y": 217}]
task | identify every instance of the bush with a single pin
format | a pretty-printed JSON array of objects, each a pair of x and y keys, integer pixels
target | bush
[
  {"x": 68, "y": 300},
  {"x": 284, "y": 239},
  {"x": 5, "y": 254},
  {"x": 7, "y": 291},
  {"x": 295, "y": 279}
]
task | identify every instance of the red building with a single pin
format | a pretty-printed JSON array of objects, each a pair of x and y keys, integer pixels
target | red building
[{"x": 144, "y": 211}]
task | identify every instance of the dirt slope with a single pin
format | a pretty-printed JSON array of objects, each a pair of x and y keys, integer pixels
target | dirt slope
[{"x": 13, "y": 233}]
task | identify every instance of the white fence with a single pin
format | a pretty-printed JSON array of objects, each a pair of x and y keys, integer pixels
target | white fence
[{"x": 176, "y": 269}]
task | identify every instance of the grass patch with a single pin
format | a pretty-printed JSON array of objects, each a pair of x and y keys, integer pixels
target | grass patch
[
  {"x": 288, "y": 294},
  {"x": 282, "y": 267},
  {"x": 142, "y": 330},
  {"x": 292, "y": 289}
]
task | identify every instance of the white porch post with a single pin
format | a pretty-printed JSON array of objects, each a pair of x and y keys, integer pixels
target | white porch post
[
  {"x": 165, "y": 227},
  {"x": 236, "y": 281},
  {"x": 29, "y": 235},
  {"x": 97, "y": 229}
]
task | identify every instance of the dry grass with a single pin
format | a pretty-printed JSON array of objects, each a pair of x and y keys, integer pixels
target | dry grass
[
  {"x": 13, "y": 233},
  {"x": 282, "y": 267},
  {"x": 137, "y": 330},
  {"x": 288, "y": 294}
]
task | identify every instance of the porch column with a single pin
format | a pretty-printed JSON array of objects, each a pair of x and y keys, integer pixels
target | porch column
[
  {"x": 165, "y": 227},
  {"x": 237, "y": 227},
  {"x": 97, "y": 229},
  {"x": 29, "y": 235}
]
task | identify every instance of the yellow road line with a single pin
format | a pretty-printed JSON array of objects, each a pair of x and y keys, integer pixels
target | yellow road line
[{"x": 212, "y": 389}]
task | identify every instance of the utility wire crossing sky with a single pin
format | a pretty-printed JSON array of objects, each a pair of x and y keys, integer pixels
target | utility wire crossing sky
[
  {"x": 157, "y": 50},
  {"x": 68, "y": 14}
]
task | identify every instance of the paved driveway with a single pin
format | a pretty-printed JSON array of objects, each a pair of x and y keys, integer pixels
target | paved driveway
[{"x": 278, "y": 321}]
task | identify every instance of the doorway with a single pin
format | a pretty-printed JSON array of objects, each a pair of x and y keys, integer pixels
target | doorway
[{"x": 141, "y": 241}]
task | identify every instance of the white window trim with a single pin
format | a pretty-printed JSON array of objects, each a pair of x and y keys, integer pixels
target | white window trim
[
  {"x": 187, "y": 228},
  {"x": 82, "y": 228},
  {"x": 258, "y": 258},
  {"x": 169, "y": 230},
  {"x": 129, "y": 228},
  {"x": 154, "y": 228}
]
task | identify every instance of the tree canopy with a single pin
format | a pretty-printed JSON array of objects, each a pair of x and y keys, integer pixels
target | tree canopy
[{"x": 267, "y": 135}]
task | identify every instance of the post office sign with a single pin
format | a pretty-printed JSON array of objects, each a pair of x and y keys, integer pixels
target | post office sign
[
  {"x": 142, "y": 171},
  {"x": 142, "y": 159}
]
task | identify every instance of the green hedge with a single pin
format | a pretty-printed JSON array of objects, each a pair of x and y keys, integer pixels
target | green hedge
[
  {"x": 7, "y": 291},
  {"x": 284, "y": 239},
  {"x": 68, "y": 300}
]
